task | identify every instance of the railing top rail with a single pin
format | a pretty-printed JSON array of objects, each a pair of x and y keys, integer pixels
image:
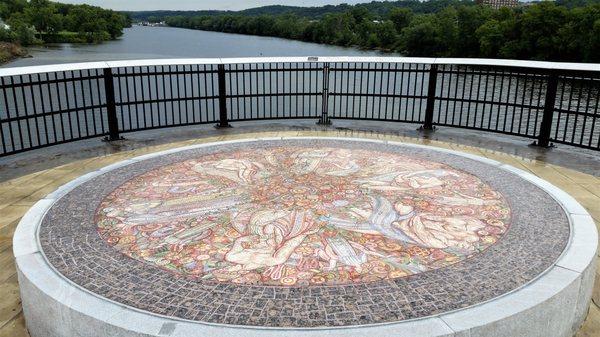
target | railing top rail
[
  {"x": 521, "y": 64},
  {"x": 16, "y": 71}
]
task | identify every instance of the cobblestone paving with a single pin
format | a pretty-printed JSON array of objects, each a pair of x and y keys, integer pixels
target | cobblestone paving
[{"x": 537, "y": 235}]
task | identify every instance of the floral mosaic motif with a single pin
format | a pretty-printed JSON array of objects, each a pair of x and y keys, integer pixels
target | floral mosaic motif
[{"x": 302, "y": 216}]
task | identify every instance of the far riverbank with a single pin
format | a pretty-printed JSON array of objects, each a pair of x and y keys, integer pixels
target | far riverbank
[{"x": 139, "y": 42}]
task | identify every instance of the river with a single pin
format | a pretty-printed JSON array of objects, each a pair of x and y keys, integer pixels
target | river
[{"x": 141, "y": 42}]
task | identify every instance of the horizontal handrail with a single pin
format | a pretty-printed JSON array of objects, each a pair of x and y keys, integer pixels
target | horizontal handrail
[{"x": 16, "y": 71}]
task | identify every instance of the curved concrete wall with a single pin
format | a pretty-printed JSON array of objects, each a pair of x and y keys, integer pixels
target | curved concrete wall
[{"x": 554, "y": 304}]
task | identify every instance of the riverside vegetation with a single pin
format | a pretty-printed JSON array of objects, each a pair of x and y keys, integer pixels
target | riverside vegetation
[
  {"x": 42, "y": 21},
  {"x": 568, "y": 30}
]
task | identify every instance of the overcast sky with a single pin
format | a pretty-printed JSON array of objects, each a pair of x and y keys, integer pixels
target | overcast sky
[{"x": 140, "y": 5}]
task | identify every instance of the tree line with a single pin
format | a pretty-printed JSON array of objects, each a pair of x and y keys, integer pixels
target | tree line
[
  {"x": 565, "y": 31},
  {"x": 40, "y": 21},
  {"x": 375, "y": 7}
]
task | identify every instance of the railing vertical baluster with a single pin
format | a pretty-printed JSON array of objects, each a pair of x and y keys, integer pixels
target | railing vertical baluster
[
  {"x": 111, "y": 107},
  {"x": 428, "y": 123},
  {"x": 546, "y": 126},
  {"x": 62, "y": 112},
  {"x": 324, "y": 120},
  {"x": 223, "y": 121}
]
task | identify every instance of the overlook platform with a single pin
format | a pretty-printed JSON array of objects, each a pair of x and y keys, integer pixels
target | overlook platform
[
  {"x": 244, "y": 131},
  {"x": 353, "y": 196}
]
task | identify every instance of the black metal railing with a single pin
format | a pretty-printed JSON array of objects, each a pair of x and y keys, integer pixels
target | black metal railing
[{"x": 43, "y": 106}]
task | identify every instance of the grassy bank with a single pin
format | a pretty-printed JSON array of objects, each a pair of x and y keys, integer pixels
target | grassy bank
[{"x": 10, "y": 51}]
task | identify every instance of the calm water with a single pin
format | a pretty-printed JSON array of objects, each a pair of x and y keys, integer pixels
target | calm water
[{"x": 162, "y": 42}]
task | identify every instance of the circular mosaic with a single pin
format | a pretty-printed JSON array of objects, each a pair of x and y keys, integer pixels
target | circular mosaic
[
  {"x": 303, "y": 233},
  {"x": 290, "y": 215}
]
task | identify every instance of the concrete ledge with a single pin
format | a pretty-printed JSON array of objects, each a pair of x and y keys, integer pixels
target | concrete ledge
[{"x": 554, "y": 304}]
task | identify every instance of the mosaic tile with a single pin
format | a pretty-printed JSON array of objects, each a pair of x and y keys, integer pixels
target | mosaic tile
[{"x": 304, "y": 233}]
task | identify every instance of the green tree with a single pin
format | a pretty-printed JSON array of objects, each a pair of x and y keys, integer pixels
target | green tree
[
  {"x": 431, "y": 35},
  {"x": 578, "y": 36},
  {"x": 539, "y": 26},
  {"x": 42, "y": 14},
  {"x": 386, "y": 35},
  {"x": 9, "y": 7},
  {"x": 115, "y": 24},
  {"x": 90, "y": 26},
  {"x": 360, "y": 14},
  {"x": 468, "y": 20},
  {"x": 23, "y": 32},
  {"x": 420, "y": 38},
  {"x": 401, "y": 18},
  {"x": 47, "y": 19}
]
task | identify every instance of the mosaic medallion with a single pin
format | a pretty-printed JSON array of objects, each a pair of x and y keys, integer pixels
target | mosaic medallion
[
  {"x": 302, "y": 215},
  {"x": 303, "y": 233}
]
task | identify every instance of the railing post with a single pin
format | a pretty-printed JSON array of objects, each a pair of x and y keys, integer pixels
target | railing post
[
  {"x": 111, "y": 107},
  {"x": 546, "y": 126},
  {"x": 324, "y": 120},
  {"x": 428, "y": 123},
  {"x": 223, "y": 120}
]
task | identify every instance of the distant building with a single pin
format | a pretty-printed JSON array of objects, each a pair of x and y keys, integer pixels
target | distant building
[
  {"x": 498, "y": 3},
  {"x": 152, "y": 24}
]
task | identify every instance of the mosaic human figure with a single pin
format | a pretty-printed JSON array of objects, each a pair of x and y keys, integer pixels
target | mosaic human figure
[
  {"x": 401, "y": 222},
  {"x": 237, "y": 170},
  {"x": 269, "y": 238}
]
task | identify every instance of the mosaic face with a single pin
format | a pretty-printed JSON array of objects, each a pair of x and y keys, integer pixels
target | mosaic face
[{"x": 294, "y": 215}]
